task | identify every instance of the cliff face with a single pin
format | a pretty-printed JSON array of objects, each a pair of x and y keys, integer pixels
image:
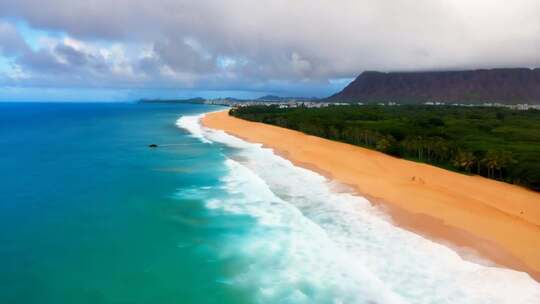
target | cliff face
[{"x": 510, "y": 86}]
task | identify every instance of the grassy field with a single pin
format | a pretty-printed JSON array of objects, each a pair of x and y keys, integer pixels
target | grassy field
[{"x": 496, "y": 143}]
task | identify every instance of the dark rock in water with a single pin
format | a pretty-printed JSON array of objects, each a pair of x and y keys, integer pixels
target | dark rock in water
[
  {"x": 153, "y": 146},
  {"x": 508, "y": 86}
]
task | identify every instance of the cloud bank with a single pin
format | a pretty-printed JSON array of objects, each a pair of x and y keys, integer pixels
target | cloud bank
[{"x": 297, "y": 46}]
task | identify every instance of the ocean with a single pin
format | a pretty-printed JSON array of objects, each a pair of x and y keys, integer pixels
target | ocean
[{"x": 90, "y": 214}]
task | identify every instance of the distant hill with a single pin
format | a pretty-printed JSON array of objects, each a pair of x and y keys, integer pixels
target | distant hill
[
  {"x": 200, "y": 100},
  {"x": 270, "y": 97},
  {"x": 279, "y": 98},
  {"x": 190, "y": 100},
  {"x": 508, "y": 86}
]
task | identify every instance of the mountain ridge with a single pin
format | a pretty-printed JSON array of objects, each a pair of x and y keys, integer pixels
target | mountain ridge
[{"x": 502, "y": 85}]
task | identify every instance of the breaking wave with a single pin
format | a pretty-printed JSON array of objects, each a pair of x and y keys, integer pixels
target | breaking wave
[{"x": 315, "y": 243}]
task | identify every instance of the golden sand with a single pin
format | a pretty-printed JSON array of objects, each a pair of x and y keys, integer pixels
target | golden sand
[{"x": 499, "y": 221}]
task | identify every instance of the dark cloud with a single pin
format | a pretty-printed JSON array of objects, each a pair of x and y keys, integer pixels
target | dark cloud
[
  {"x": 183, "y": 56},
  {"x": 11, "y": 43},
  {"x": 71, "y": 56},
  {"x": 43, "y": 62},
  {"x": 250, "y": 45}
]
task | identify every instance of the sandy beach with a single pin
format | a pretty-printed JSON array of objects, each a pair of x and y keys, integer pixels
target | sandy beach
[{"x": 480, "y": 217}]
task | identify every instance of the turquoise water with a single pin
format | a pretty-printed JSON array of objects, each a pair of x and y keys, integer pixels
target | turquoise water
[{"x": 90, "y": 214}]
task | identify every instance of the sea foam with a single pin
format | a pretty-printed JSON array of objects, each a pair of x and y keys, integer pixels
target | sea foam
[{"x": 315, "y": 244}]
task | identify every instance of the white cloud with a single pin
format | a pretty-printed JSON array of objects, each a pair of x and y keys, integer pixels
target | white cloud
[{"x": 248, "y": 44}]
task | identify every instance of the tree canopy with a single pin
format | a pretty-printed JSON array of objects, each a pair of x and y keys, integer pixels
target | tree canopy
[{"x": 497, "y": 143}]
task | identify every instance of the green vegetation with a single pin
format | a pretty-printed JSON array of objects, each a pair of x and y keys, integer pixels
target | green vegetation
[{"x": 497, "y": 143}]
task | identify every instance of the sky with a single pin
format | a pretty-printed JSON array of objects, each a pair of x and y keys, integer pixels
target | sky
[{"x": 58, "y": 50}]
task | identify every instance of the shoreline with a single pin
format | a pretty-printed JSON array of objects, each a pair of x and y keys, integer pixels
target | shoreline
[{"x": 477, "y": 217}]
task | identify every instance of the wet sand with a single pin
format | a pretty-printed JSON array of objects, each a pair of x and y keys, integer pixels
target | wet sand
[{"x": 478, "y": 216}]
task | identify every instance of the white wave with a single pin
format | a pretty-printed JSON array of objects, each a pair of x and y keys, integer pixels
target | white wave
[
  {"x": 193, "y": 126},
  {"x": 193, "y": 193},
  {"x": 294, "y": 260},
  {"x": 313, "y": 244}
]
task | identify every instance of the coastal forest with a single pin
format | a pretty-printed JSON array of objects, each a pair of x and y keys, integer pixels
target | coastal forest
[{"x": 496, "y": 143}]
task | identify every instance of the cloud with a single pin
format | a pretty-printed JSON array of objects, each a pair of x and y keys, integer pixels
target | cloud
[
  {"x": 277, "y": 44},
  {"x": 184, "y": 55},
  {"x": 11, "y": 43}
]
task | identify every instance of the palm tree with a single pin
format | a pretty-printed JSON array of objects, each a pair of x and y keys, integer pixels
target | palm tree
[
  {"x": 436, "y": 148},
  {"x": 492, "y": 162},
  {"x": 418, "y": 145},
  {"x": 409, "y": 145},
  {"x": 504, "y": 159},
  {"x": 464, "y": 159},
  {"x": 441, "y": 149},
  {"x": 383, "y": 144}
]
